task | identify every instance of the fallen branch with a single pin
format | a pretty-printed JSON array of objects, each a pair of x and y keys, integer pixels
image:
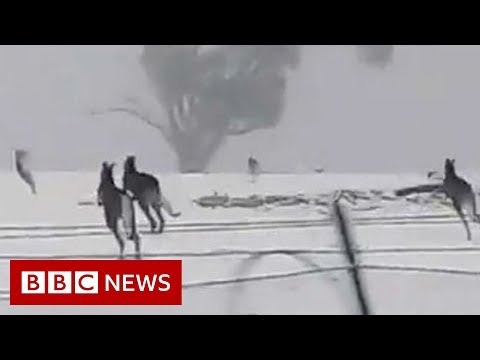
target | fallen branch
[{"x": 419, "y": 189}]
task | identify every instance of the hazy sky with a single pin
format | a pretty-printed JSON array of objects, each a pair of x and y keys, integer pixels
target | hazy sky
[{"x": 341, "y": 115}]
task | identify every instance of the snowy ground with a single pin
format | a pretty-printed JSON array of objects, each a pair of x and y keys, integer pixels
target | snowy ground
[{"x": 417, "y": 238}]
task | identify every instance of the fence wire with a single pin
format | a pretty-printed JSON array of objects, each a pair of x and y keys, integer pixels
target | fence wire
[
  {"x": 5, "y": 293},
  {"x": 246, "y": 252},
  {"x": 303, "y": 256}
]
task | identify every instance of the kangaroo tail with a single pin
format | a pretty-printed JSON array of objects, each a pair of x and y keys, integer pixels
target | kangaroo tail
[
  {"x": 472, "y": 208},
  {"x": 167, "y": 206}
]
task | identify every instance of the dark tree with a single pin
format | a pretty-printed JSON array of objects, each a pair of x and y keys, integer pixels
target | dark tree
[{"x": 210, "y": 93}]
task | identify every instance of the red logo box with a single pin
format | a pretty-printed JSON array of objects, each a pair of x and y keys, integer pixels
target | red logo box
[{"x": 96, "y": 282}]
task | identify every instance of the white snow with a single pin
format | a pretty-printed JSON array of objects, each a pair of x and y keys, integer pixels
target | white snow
[{"x": 436, "y": 243}]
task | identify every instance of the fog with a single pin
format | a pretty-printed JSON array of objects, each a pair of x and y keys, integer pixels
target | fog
[{"x": 340, "y": 114}]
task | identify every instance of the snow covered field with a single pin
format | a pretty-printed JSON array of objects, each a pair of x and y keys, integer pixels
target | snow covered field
[{"x": 408, "y": 246}]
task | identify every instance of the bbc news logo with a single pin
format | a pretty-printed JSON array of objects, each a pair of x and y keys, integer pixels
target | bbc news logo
[
  {"x": 96, "y": 282},
  {"x": 59, "y": 282}
]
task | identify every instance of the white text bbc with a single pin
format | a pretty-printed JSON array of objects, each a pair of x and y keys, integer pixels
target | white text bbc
[{"x": 87, "y": 282}]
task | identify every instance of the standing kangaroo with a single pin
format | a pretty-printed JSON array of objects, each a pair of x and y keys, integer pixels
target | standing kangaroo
[
  {"x": 20, "y": 157},
  {"x": 146, "y": 190},
  {"x": 117, "y": 205},
  {"x": 461, "y": 194},
  {"x": 253, "y": 167}
]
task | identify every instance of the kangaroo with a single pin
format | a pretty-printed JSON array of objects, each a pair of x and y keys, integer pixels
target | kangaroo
[
  {"x": 20, "y": 157},
  {"x": 253, "y": 167},
  {"x": 145, "y": 188},
  {"x": 117, "y": 205},
  {"x": 460, "y": 192}
]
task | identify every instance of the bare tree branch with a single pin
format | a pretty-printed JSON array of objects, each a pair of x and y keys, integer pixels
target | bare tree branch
[
  {"x": 137, "y": 114},
  {"x": 133, "y": 112},
  {"x": 240, "y": 132},
  {"x": 232, "y": 131}
]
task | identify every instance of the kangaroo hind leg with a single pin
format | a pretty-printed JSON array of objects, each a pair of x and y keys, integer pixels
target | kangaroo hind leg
[
  {"x": 157, "y": 207},
  {"x": 113, "y": 225},
  {"x": 129, "y": 218},
  {"x": 144, "y": 206},
  {"x": 138, "y": 251}
]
